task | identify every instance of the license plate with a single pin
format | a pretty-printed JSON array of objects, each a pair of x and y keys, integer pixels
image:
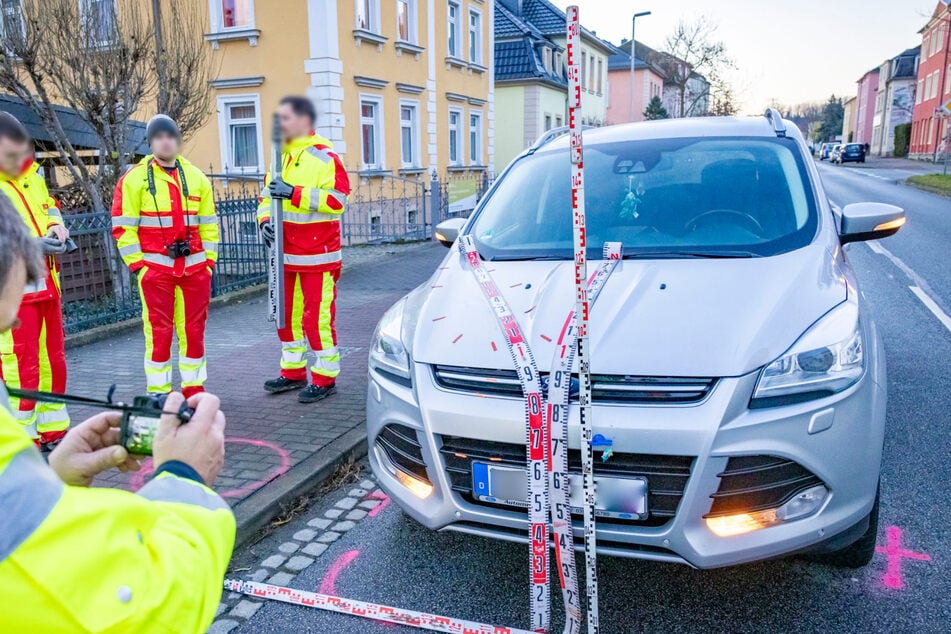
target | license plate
[{"x": 617, "y": 498}]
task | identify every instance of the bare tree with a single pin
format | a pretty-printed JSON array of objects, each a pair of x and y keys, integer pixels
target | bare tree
[
  {"x": 690, "y": 53},
  {"x": 723, "y": 101}
]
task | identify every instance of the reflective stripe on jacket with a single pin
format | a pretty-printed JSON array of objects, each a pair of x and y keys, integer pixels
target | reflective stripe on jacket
[
  {"x": 39, "y": 211},
  {"x": 103, "y": 560},
  {"x": 145, "y": 226},
  {"x": 312, "y": 216}
]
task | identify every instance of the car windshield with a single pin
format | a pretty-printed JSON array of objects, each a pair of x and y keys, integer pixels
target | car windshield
[
  {"x": 853, "y": 147},
  {"x": 687, "y": 197}
]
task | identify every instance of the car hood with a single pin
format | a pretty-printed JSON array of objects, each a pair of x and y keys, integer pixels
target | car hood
[{"x": 672, "y": 317}]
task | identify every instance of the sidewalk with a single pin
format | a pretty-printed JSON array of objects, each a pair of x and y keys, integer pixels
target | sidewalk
[{"x": 271, "y": 440}]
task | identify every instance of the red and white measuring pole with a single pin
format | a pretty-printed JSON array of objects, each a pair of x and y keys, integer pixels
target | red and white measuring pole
[{"x": 582, "y": 312}]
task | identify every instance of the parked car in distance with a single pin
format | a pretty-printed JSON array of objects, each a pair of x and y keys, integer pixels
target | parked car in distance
[
  {"x": 736, "y": 368},
  {"x": 824, "y": 151},
  {"x": 851, "y": 153},
  {"x": 834, "y": 153}
]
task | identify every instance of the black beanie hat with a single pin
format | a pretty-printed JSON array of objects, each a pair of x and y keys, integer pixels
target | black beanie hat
[{"x": 161, "y": 123}]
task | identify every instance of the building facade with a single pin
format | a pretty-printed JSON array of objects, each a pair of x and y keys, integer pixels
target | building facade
[
  {"x": 930, "y": 129},
  {"x": 531, "y": 85},
  {"x": 848, "y": 120},
  {"x": 865, "y": 107},
  {"x": 402, "y": 87},
  {"x": 895, "y": 102},
  {"x": 694, "y": 99},
  {"x": 622, "y": 92}
]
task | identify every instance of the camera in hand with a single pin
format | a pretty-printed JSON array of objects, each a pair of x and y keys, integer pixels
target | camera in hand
[
  {"x": 179, "y": 249},
  {"x": 138, "y": 428}
]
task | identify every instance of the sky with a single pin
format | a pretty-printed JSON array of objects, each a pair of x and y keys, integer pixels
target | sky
[{"x": 791, "y": 51}]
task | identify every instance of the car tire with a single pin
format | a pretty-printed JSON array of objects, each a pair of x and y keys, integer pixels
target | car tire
[{"x": 860, "y": 553}]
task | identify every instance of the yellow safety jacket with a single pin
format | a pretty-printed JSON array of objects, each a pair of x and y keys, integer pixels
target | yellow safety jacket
[
  {"x": 153, "y": 208},
  {"x": 28, "y": 193},
  {"x": 74, "y": 559},
  {"x": 312, "y": 215}
]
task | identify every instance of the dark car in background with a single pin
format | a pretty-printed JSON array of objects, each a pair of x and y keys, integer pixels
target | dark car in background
[{"x": 851, "y": 153}]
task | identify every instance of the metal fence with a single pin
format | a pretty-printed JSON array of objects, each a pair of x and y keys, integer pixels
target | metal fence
[{"x": 98, "y": 289}]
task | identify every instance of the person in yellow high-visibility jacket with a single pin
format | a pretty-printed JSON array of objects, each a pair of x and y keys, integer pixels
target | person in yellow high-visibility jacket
[
  {"x": 33, "y": 355},
  {"x": 77, "y": 559}
]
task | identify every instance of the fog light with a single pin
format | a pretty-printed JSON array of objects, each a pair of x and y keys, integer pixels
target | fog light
[
  {"x": 802, "y": 505},
  {"x": 416, "y": 486}
]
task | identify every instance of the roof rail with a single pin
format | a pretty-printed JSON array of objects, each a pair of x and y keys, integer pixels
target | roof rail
[
  {"x": 779, "y": 127},
  {"x": 553, "y": 134}
]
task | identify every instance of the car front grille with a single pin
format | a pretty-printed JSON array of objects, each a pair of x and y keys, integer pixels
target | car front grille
[
  {"x": 401, "y": 446},
  {"x": 666, "y": 475},
  {"x": 605, "y": 388},
  {"x": 756, "y": 483}
]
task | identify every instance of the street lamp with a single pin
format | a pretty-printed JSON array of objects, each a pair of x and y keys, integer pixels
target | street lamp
[{"x": 633, "y": 55}]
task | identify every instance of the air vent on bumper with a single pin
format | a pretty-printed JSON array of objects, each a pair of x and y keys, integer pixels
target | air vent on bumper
[{"x": 399, "y": 450}]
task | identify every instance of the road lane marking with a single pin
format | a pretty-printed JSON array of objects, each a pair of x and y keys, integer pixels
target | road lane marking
[{"x": 932, "y": 306}]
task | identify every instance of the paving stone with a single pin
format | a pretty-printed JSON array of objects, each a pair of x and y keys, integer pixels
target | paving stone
[
  {"x": 314, "y": 550},
  {"x": 356, "y": 515},
  {"x": 245, "y": 609},
  {"x": 288, "y": 547},
  {"x": 357, "y": 493},
  {"x": 319, "y": 523},
  {"x": 274, "y": 561},
  {"x": 223, "y": 626},
  {"x": 260, "y": 575},
  {"x": 234, "y": 595},
  {"x": 298, "y": 563},
  {"x": 328, "y": 537},
  {"x": 281, "y": 578},
  {"x": 305, "y": 535},
  {"x": 346, "y": 503},
  {"x": 370, "y": 504},
  {"x": 368, "y": 484},
  {"x": 343, "y": 527},
  {"x": 221, "y": 608},
  {"x": 333, "y": 513}
]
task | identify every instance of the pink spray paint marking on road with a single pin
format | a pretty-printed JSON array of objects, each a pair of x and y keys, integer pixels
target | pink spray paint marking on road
[
  {"x": 138, "y": 478},
  {"x": 893, "y": 550},
  {"x": 384, "y": 502},
  {"x": 329, "y": 583}
]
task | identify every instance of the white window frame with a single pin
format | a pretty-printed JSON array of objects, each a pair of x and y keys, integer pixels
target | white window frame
[
  {"x": 475, "y": 36},
  {"x": 374, "y": 25},
  {"x": 557, "y": 62},
  {"x": 412, "y": 22},
  {"x": 218, "y": 18},
  {"x": 947, "y": 81},
  {"x": 600, "y": 80},
  {"x": 224, "y": 131},
  {"x": 413, "y": 127},
  {"x": 456, "y": 51},
  {"x": 83, "y": 7},
  {"x": 919, "y": 93},
  {"x": 476, "y": 148},
  {"x": 559, "y": 121},
  {"x": 547, "y": 58},
  {"x": 459, "y": 132},
  {"x": 22, "y": 21},
  {"x": 378, "y": 132}
]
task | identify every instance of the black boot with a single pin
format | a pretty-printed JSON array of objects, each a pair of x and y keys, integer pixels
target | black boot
[
  {"x": 313, "y": 393},
  {"x": 281, "y": 384}
]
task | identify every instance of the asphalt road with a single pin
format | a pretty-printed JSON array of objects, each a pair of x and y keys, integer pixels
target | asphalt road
[{"x": 389, "y": 559}]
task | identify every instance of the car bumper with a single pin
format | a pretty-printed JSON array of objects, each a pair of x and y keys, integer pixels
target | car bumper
[{"x": 845, "y": 455}]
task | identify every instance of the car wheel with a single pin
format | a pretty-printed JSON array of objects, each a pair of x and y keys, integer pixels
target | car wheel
[{"x": 861, "y": 552}]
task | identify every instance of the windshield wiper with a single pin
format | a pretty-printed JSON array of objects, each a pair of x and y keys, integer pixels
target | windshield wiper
[
  {"x": 529, "y": 258},
  {"x": 713, "y": 255}
]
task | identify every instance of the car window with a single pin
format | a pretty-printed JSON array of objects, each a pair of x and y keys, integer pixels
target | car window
[
  {"x": 671, "y": 196},
  {"x": 853, "y": 146}
]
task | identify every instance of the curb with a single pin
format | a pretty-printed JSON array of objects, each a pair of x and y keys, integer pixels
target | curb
[
  {"x": 925, "y": 188},
  {"x": 255, "y": 511}
]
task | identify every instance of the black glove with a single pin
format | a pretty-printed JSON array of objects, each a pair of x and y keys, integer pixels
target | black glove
[
  {"x": 267, "y": 233},
  {"x": 280, "y": 189},
  {"x": 51, "y": 245}
]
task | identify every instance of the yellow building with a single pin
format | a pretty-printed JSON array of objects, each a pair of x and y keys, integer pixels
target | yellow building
[{"x": 402, "y": 87}]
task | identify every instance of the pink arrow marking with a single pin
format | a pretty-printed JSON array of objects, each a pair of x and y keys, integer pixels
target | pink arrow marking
[{"x": 893, "y": 577}]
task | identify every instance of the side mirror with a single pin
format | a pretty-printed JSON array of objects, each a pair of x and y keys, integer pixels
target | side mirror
[
  {"x": 448, "y": 230},
  {"x": 870, "y": 221}
]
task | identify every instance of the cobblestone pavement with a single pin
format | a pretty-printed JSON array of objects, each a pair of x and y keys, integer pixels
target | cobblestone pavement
[{"x": 267, "y": 435}]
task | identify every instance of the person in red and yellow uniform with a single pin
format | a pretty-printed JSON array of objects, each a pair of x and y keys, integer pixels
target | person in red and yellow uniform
[
  {"x": 164, "y": 223},
  {"x": 315, "y": 187},
  {"x": 32, "y": 355}
]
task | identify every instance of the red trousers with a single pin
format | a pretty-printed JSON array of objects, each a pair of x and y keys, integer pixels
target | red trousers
[
  {"x": 175, "y": 306},
  {"x": 310, "y": 308},
  {"x": 33, "y": 357}
]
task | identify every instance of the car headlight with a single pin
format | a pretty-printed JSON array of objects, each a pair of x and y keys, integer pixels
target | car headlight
[
  {"x": 387, "y": 352},
  {"x": 826, "y": 359}
]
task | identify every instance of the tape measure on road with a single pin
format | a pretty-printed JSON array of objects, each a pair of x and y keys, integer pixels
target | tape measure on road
[{"x": 366, "y": 610}]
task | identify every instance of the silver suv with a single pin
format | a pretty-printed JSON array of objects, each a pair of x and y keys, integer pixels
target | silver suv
[{"x": 736, "y": 368}]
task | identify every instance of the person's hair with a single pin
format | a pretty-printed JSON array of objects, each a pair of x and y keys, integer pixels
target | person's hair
[
  {"x": 11, "y": 128},
  {"x": 16, "y": 243},
  {"x": 302, "y": 106}
]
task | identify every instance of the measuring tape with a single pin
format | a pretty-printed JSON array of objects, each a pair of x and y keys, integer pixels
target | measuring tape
[
  {"x": 582, "y": 311},
  {"x": 365, "y": 609}
]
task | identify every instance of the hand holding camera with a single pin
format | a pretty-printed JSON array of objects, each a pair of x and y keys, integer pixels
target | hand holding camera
[{"x": 200, "y": 443}]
